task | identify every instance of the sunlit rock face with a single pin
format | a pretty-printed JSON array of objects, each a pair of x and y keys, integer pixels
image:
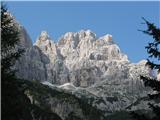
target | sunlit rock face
[
  {"x": 78, "y": 57},
  {"x": 43, "y": 62},
  {"x": 47, "y": 46},
  {"x": 86, "y": 66}
]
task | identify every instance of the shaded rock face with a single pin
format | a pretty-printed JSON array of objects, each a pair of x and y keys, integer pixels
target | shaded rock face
[{"x": 26, "y": 41}]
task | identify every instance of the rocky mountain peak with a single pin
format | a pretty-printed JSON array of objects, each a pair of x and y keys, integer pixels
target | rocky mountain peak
[
  {"x": 87, "y": 33},
  {"x": 87, "y": 66},
  {"x": 72, "y": 39},
  {"x": 108, "y": 37},
  {"x": 80, "y": 58},
  {"x": 44, "y": 36},
  {"x": 44, "y": 41},
  {"x": 93, "y": 69},
  {"x": 47, "y": 46}
]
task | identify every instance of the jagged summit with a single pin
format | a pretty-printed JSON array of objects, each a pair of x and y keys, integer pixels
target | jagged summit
[
  {"x": 93, "y": 69},
  {"x": 47, "y": 46},
  {"x": 83, "y": 35},
  {"x": 107, "y": 38},
  {"x": 75, "y": 54},
  {"x": 44, "y": 36},
  {"x": 85, "y": 65},
  {"x": 44, "y": 40},
  {"x": 87, "y": 33},
  {"x": 72, "y": 39}
]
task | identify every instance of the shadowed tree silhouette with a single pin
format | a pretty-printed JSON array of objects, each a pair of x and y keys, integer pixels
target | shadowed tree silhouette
[
  {"x": 13, "y": 107},
  {"x": 15, "y": 103},
  {"x": 9, "y": 40},
  {"x": 154, "y": 54}
]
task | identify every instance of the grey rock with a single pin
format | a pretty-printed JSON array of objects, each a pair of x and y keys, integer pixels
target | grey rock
[{"x": 96, "y": 68}]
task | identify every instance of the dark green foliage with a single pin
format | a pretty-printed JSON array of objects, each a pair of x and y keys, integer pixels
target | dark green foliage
[
  {"x": 154, "y": 53},
  {"x": 9, "y": 40},
  {"x": 152, "y": 47},
  {"x": 43, "y": 114},
  {"x": 15, "y": 104},
  {"x": 42, "y": 92},
  {"x": 154, "y": 84},
  {"x": 139, "y": 116},
  {"x": 112, "y": 99},
  {"x": 21, "y": 107},
  {"x": 13, "y": 107},
  {"x": 73, "y": 116},
  {"x": 90, "y": 112},
  {"x": 120, "y": 115}
]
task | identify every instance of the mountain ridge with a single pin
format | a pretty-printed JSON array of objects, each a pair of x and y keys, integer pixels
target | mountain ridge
[
  {"x": 80, "y": 71},
  {"x": 90, "y": 68}
]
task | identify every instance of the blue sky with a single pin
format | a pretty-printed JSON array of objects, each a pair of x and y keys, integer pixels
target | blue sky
[{"x": 121, "y": 19}]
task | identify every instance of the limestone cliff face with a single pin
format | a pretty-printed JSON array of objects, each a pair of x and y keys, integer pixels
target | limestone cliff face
[
  {"x": 87, "y": 77},
  {"x": 87, "y": 67},
  {"x": 80, "y": 58}
]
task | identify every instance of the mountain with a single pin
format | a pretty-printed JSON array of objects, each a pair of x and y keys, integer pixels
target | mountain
[
  {"x": 48, "y": 101},
  {"x": 35, "y": 100},
  {"x": 80, "y": 77},
  {"x": 92, "y": 71},
  {"x": 79, "y": 58}
]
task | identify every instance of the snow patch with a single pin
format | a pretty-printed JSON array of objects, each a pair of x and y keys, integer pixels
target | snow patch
[
  {"x": 67, "y": 86},
  {"x": 48, "y": 83}
]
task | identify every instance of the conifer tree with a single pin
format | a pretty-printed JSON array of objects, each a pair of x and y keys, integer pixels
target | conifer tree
[
  {"x": 9, "y": 40},
  {"x": 153, "y": 49},
  {"x": 14, "y": 102}
]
